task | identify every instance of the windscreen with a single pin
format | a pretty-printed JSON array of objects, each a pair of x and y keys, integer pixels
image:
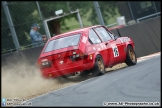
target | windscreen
[{"x": 64, "y": 42}]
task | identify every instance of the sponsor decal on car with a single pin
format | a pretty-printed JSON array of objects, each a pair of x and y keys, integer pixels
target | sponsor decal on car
[
  {"x": 61, "y": 62},
  {"x": 84, "y": 39},
  {"x": 124, "y": 40},
  {"x": 121, "y": 40},
  {"x": 115, "y": 50}
]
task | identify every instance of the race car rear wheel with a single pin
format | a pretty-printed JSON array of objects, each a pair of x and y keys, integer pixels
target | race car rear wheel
[
  {"x": 131, "y": 58},
  {"x": 99, "y": 67}
]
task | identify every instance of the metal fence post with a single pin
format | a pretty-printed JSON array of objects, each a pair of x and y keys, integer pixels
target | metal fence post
[
  {"x": 79, "y": 18},
  {"x": 155, "y": 7},
  {"x": 11, "y": 26},
  {"x": 130, "y": 10},
  {"x": 68, "y": 6},
  {"x": 47, "y": 34},
  {"x": 96, "y": 5}
]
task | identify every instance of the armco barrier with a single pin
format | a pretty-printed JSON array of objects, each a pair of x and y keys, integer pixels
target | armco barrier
[
  {"x": 115, "y": 32},
  {"x": 11, "y": 58},
  {"x": 28, "y": 56},
  {"x": 146, "y": 37},
  {"x": 115, "y": 29}
]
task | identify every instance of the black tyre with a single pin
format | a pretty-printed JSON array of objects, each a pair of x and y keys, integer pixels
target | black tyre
[
  {"x": 85, "y": 73},
  {"x": 131, "y": 58},
  {"x": 99, "y": 67}
]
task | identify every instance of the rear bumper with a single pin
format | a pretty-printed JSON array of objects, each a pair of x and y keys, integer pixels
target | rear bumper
[{"x": 48, "y": 73}]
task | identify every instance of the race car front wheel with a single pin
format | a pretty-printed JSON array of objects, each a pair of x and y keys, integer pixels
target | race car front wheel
[{"x": 131, "y": 58}]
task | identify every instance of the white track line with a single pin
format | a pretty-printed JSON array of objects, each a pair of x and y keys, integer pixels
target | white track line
[{"x": 148, "y": 57}]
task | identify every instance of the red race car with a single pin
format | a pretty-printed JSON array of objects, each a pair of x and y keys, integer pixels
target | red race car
[{"x": 87, "y": 49}]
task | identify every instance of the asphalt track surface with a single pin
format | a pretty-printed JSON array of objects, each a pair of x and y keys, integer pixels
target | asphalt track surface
[{"x": 139, "y": 83}]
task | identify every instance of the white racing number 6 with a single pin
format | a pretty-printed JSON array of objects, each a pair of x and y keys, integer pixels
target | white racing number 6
[{"x": 115, "y": 51}]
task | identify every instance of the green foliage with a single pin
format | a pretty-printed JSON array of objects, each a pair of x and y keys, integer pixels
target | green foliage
[
  {"x": 6, "y": 38},
  {"x": 48, "y": 8},
  {"x": 24, "y": 14},
  {"x": 109, "y": 11}
]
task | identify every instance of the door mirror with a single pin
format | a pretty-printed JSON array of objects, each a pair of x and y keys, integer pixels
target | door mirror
[{"x": 115, "y": 37}]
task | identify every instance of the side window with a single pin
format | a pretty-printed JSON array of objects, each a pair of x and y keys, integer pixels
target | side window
[
  {"x": 93, "y": 38},
  {"x": 103, "y": 33},
  {"x": 111, "y": 34}
]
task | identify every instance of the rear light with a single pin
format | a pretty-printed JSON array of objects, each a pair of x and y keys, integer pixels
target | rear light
[
  {"x": 74, "y": 52},
  {"x": 45, "y": 63},
  {"x": 78, "y": 56}
]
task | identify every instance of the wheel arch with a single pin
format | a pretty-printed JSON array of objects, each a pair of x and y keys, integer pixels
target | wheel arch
[
  {"x": 95, "y": 56},
  {"x": 129, "y": 44}
]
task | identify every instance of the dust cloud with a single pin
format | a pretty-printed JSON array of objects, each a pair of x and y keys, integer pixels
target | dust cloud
[{"x": 22, "y": 80}]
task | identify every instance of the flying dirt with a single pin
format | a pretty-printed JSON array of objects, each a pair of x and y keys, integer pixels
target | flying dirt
[
  {"x": 21, "y": 80},
  {"x": 25, "y": 81}
]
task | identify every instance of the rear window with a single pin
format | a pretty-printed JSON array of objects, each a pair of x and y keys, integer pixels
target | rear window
[{"x": 64, "y": 42}]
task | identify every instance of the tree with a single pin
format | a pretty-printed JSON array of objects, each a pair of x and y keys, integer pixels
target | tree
[
  {"x": 24, "y": 14},
  {"x": 48, "y": 10}
]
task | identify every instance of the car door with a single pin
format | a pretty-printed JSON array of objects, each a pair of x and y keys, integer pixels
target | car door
[
  {"x": 121, "y": 46},
  {"x": 113, "y": 47},
  {"x": 96, "y": 45}
]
